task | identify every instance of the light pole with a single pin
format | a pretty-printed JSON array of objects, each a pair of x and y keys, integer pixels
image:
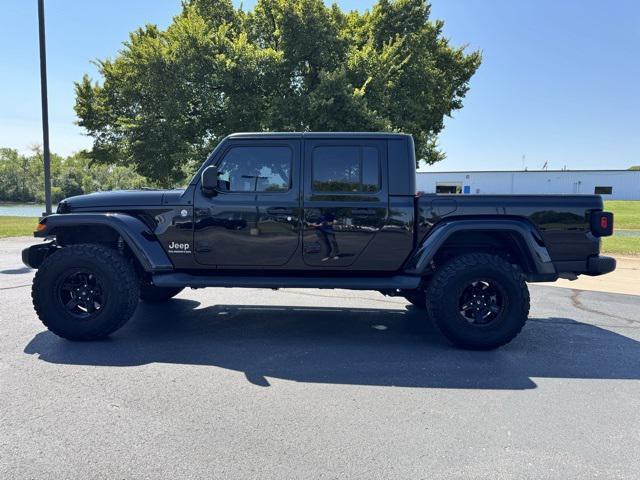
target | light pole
[{"x": 45, "y": 110}]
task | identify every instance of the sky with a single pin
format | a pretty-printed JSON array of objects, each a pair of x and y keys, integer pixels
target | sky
[{"x": 559, "y": 82}]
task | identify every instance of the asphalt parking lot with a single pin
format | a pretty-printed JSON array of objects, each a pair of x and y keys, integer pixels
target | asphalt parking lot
[{"x": 231, "y": 383}]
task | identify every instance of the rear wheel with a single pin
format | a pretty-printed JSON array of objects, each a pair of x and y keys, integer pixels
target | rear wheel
[
  {"x": 85, "y": 292},
  {"x": 152, "y": 293},
  {"x": 478, "y": 301}
]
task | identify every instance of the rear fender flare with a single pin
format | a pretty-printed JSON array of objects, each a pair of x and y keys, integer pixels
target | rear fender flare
[
  {"x": 138, "y": 237},
  {"x": 419, "y": 262}
]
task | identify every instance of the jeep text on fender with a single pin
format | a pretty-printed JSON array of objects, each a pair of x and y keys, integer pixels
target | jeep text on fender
[
  {"x": 174, "y": 247},
  {"x": 316, "y": 210}
]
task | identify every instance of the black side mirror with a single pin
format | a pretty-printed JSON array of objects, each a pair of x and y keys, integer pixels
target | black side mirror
[{"x": 209, "y": 181}]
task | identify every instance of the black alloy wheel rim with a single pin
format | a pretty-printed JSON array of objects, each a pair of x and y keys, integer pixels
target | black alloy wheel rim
[
  {"x": 481, "y": 302},
  {"x": 81, "y": 294}
]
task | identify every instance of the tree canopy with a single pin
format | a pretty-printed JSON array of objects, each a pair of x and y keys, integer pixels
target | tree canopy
[{"x": 170, "y": 96}]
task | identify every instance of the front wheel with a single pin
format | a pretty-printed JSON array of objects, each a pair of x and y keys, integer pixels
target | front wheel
[
  {"x": 85, "y": 292},
  {"x": 478, "y": 301}
]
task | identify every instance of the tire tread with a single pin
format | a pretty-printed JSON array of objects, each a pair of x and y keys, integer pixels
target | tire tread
[
  {"x": 443, "y": 278},
  {"x": 126, "y": 290}
]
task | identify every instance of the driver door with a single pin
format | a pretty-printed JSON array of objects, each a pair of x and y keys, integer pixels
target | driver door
[{"x": 254, "y": 219}]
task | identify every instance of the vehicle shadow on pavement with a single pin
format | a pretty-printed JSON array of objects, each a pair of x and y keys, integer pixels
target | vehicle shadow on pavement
[
  {"x": 16, "y": 271},
  {"x": 382, "y": 347}
]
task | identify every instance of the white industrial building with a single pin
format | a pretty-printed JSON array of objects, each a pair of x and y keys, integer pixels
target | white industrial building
[{"x": 611, "y": 184}]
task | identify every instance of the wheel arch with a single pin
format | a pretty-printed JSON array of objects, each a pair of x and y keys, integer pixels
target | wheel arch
[
  {"x": 516, "y": 239},
  {"x": 108, "y": 228}
]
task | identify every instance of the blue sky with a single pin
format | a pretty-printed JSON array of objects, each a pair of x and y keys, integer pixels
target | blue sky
[{"x": 559, "y": 81}]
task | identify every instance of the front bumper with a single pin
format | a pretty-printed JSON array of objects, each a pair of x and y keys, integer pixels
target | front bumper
[{"x": 34, "y": 255}]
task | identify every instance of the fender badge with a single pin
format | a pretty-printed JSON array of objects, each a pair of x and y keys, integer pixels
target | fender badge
[
  {"x": 184, "y": 213},
  {"x": 174, "y": 247}
]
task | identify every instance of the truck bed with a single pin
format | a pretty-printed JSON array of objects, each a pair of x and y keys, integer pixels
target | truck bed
[{"x": 563, "y": 221}]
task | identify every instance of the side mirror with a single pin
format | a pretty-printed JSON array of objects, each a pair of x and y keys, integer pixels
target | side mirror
[{"x": 209, "y": 181}]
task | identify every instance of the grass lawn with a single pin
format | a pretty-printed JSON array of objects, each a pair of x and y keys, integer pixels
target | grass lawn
[
  {"x": 621, "y": 245},
  {"x": 626, "y": 216},
  {"x": 17, "y": 226},
  {"x": 626, "y": 213}
]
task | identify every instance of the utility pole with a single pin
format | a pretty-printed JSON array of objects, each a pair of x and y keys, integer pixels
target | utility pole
[{"x": 45, "y": 110}]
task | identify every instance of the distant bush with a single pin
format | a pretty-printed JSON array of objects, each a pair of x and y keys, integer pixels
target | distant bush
[{"x": 22, "y": 177}]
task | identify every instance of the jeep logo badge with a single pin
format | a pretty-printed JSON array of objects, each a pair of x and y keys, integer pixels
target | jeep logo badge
[{"x": 179, "y": 247}]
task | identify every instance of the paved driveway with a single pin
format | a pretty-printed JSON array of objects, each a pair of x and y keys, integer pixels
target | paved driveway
[{"x": 231, "y": 383}]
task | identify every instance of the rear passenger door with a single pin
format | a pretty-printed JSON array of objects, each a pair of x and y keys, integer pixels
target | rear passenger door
[{"x": 345, "y": 199}]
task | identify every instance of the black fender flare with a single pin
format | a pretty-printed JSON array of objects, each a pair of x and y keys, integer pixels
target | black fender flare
[
  {"x": 138, "y": 237},
  {"x": 418, "y": 263}
]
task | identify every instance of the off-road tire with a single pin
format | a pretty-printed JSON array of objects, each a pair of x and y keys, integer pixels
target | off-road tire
[
  {"x": 418, "y": 298},
  {"x": 119, "y": 283},
  {"x": 154, "y": 294},
  {"x": 447, "y": 286}
]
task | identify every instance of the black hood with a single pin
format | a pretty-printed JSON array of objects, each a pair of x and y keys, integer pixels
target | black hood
[{"x": 118, "y": 198}]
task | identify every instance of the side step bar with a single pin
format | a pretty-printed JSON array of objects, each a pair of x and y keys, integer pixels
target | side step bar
[{"x": 402, "y": 282}]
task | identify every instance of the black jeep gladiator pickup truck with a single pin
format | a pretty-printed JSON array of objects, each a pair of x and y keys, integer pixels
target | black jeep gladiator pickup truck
[{"x": 316, "y": 210}]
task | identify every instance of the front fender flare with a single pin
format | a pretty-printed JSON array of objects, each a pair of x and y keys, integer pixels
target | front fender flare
[
  {"x": 418, "y": 263},
  {"x": 138, "y": 237}
]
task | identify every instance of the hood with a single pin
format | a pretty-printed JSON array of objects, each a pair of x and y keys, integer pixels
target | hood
[{"x": 117, "y": 199}]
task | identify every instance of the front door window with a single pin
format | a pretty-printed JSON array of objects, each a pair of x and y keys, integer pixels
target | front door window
[{"x": 256, "y": 169}]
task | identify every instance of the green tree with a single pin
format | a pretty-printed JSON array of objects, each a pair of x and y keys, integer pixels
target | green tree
[
  {"x": 11, "y": 176},
  {"x": 22, "y": 176},
  {"x": 287, "y": 65}
]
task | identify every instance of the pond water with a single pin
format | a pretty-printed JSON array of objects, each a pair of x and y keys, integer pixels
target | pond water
[
  {"x": 626, "y": 233},
  {"x": 21, "y": 209}
]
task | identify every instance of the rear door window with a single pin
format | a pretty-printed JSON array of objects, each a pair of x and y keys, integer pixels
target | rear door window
[{"x": 347, "y": 169}]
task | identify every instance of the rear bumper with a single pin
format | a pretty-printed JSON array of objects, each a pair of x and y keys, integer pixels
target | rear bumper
[
  {"x": 593, "y": 266},
  {"x": 600, "y": 265}
]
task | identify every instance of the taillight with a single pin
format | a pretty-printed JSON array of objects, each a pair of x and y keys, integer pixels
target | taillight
[{"x": 602, "y": 224}]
